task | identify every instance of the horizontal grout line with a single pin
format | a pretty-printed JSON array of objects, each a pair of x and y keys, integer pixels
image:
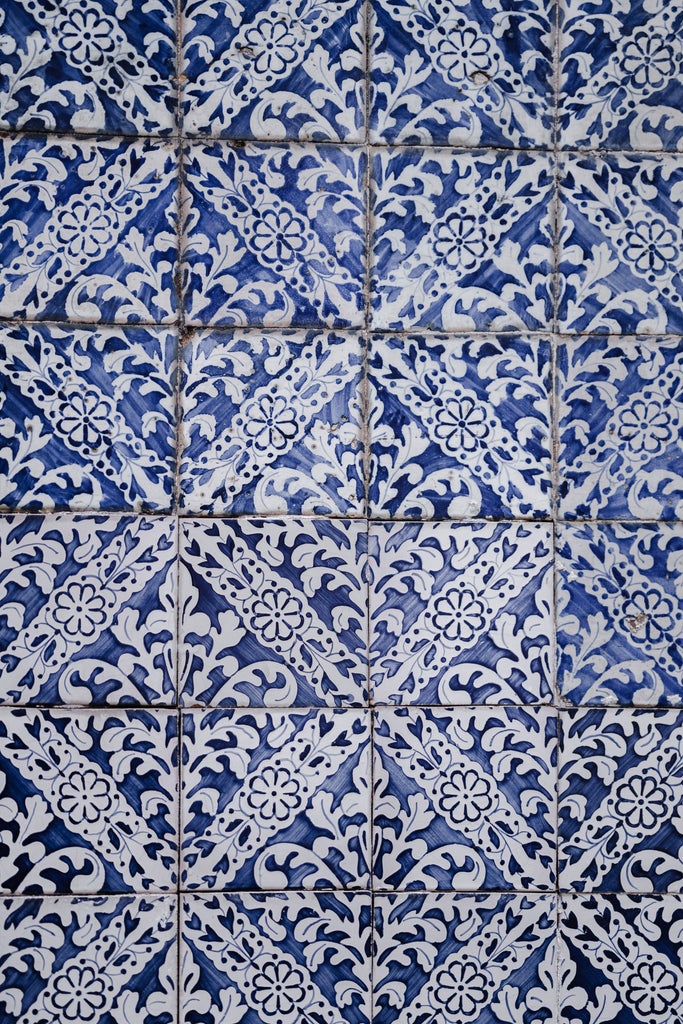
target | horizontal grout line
[{"x": 345, "y": 890}]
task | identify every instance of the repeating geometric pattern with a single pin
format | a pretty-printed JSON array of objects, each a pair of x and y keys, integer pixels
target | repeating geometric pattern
[
  {"x": 259, "y": 70},
  {"x": 88, "y": 229},
  {"x": 459, "y": 614},
  {"x": 102, "y": 960},
  {"x": 273, "y": 612},
  {"x": 272, "y": 423},
  {"x": 246, "y": 957},
  {"x": 620, "y": 613},
  {"x": 276, "y": 799},
  {"x": 459, "y": 427},
  {"x": 87, "y": 609},
  {"x": 87, "y": 418},
  {"x": 621, "y": 428},
  {"x": 89, "y": 801}
]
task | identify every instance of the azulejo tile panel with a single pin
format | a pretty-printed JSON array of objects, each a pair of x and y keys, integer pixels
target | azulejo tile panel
[
  {"x": 272, "y": 423},
  {"x": 90, "y": 800},
  {"x": 459, "y": 613},
  {"x": 275, "y": 70},
  {"x": 105, "y": 959},
  {"x": 247, "y": 957},
  {"x": 461, "y": 241},
  {"x": 276, "y": 799},
  {"x": 88, "y": 418},
  {"x": 459, "y": 427},
  {"x": 73, "y": 64},
  {"x": 87, "y": 609},
  {"x": 472, "y": 74},
  {"x": 619, "y": 614},
  {"x": 274, "y": 612}
]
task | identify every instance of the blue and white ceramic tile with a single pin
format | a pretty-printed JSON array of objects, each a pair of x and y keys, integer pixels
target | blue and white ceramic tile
[
  {"x": 465, "y": 798},
  {"x": 89, "y": 799},
  {"x": 274, "y": 235},
  {"x": 485, "y": 958},
  {"x": 620, "y": 613},
  {"x": 621, "y": 428},
  {"x": 621, "y": 790},
  {"x": 461, "y": 241},
  {"x": 101, "y": 960},
  {"x": 275, "y": 70},
  {"x": 621, "y": 245},
  {"x": 620, "y": 959},
  {"x": 88, "y": 66},
  {"x": 621, "y": 85},
  {"x": 276, "y": 958},
  {"x": 87, "y": 417},
  {"x": 276, "y": 799},
  {"x": 273, "y": 612},
  {"x": 87, "y": 609},
  {"x": 460, "y": 613},
  {"x": 87, "y": 229},
  {"x": 459, "y": 427},
  {"x": 272, "y": 423},
  {"x": 469, "y": 74}
]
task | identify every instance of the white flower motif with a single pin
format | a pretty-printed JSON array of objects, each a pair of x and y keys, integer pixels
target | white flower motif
[
  {"x": 79, "y": 994},
  {"x": 461, "y": 424},
  {"x": 643, "y": 801},
  {"x": 652, "y": 989},
  {"x": 646, "y": 426},
  {"x": 84, "y": 230},
  {"x": 85, "y": 418},
  {"x": 651, "y": 246},
  {"x": 87, "y": 36},
  {"x": 273, "y": 44},
  {"x": 271, "y": 423},
  {"x": 84, "y": 796},
  {"x": 277, "y": 615},
  {"x": 459, "y": 614},
  {"x": 279, "y": 990},
  {"x": 650, "y": 60},
  {"x": 274, "y": 793},
  {"x": 647, "y": 615},
  {"x": 461, "y": 990},
  {"x": 80, "y": 609},
  {"x": 465, "y": 796},
  {"x": 461, "y": 241},
  {"x": 279, "y": 236},
  {"x": 462, "y": 54}
]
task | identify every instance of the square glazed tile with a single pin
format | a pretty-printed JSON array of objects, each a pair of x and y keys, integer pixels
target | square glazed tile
[
  {"x": 460, "y": 613},
  {"x": 461, "y": 241},
  {"x": 621, "y": 428},
  {"x": 621, "y": 85},
  {"x": 87, "y": 609},
  {"x": 275, "y": 800},
  {"x": 620, "y": 613},
  {"x": 620, "y": 959},
  {"x": 621, "y": 245},
  {"x": 88, "y": 418},
  {"x": 485, "y": 958},
  {"x": 465, "y": 798},
  {"x": 273, "y": 612},
  {"x": 276, "y": 957},
  {"x": 473, "y": 74},
  {"x": 267, "y": 70},
  {"x": 88, "y": 961},
  {"x": 274, "y": 235},
  {"x": 272, "y": 423},
  {"x": 459, "y": 427},
  {"x": 87, "y": 229},
  {"x": 90, "y": 800},
  {"x": 621, "y": 794},
  {"x": 103, "y": 66}
]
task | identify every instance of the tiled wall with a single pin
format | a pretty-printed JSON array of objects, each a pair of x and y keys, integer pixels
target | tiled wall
[{"x": 341, "y": 477}]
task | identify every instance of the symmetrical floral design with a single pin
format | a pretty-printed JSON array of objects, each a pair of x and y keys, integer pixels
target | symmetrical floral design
[
  {"x": 459, "y": 427},
  {"x": 459, "y": 613},
  {"x": 620, "y": 959},
  {"x": 621, "y": 788},
  {"x": 274, "y": 235},
  {"x": 276, "y": 799},
  {"x": 89, "y": 801},
  {"x": 86, "y": 418},
  {"x": 621, "y": 75},
  {"x": 277, "y": 958},
  {"x": 621, "y": 428},
  {"x": 620, "y": 613},
  {"x": 260, "y": 70},
  {"x": 465, "y": 959},
  {"x": 88, "y": 961},
  {"x": 461, "y": 241},
  {"x": 272, "y": 423},
  {"x": 462, "y": 74},
  {"x": 87, "y": 609},
  {"x": 620, "y": 245},
  {"x": 273, "y": 612},
  {"x": 464, "y": 798}
]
